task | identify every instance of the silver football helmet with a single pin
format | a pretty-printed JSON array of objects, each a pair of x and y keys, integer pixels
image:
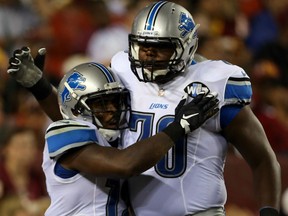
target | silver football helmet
[
  {"x": 163, "y": 24},
  {"x": 86, "y": 92}
]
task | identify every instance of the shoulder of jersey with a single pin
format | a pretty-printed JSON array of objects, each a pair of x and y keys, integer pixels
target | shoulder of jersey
[
  {"x": 67, "y": 134},
  {"x": 67, "y": 123},
  {"x": 120, "y": 61},
  {"x": 217, "y": 69}
]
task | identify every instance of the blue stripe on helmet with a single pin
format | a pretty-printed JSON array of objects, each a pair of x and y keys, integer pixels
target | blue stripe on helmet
[
  {"x": 152, "y": 15},
  {"x": 106, "y": 72}
]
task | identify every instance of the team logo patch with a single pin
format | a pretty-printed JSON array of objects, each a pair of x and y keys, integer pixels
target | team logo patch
[
  {"x": 75, "y": 81},
  {"x": 194, "y": 88},
  {"x": 186, "y": 24}
]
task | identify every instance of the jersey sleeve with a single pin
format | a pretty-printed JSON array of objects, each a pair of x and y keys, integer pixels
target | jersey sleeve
[
  {"x": 64, "y": 135},
  {"x": 238, "y": 93},
  {"x": 238, "y": 89}
]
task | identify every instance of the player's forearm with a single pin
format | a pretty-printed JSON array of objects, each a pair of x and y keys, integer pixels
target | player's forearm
[
  {"x": 112, "y": 162},
  {"x": 46, "y": 95},
  {"x": 49, "y": 105},
  {"x": 267, "y": 181},
  {"x": 146, "y": 153}
]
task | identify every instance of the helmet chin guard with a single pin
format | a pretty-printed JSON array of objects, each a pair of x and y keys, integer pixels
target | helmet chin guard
[{"x": 109, "y": 135}]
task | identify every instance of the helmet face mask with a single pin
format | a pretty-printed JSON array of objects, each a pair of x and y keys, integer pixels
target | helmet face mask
[
  {"x": 109, "y": 109},
  {"x": 162, "y": 24},
  {"x": 91, "y": 92},
  {"x": 155, "y": 70}
]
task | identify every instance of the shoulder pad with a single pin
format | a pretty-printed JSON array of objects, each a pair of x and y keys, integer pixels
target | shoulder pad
[{"x": 68, "y": 134}]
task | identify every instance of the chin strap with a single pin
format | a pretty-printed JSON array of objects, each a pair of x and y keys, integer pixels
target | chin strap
[
  {"x": 109, "y": 135},
  {"x": 164, "y": 75},
  {"x": 154, "y": 74}
]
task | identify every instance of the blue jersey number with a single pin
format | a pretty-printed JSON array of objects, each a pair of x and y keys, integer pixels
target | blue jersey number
[
  {"x": 174, "y": 162},
  {"x": 113, "y": 197}
]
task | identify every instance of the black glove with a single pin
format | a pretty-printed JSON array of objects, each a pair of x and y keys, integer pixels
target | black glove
[
  {"x": 192, "y": 115},
  {"x": 195, "y": 113},
  {"x": 23, "y": 68},
  {"x": 28, "y": 72},
  {"x": 39, "y": 59},
  {"x": 268, "y": 211}
]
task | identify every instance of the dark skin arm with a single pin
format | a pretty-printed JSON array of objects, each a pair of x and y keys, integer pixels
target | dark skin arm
[
  {"x": 131, "y": 161},
  {"x": 48, "y": 105},
  {"x": 246, "y": 133},
  {"x": 102, "y": 161}
]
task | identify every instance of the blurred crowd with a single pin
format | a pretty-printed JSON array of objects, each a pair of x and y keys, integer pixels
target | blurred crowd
[{"x": 250, "y": 33}]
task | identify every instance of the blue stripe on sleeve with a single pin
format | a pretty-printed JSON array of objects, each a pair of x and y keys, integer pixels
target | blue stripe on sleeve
[
  {"x": 238, "y": 91},
  {"x": 61, "y": 140}
]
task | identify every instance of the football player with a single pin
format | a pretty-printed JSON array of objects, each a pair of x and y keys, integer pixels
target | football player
[
  {"x": 158, "y": 69},
  {"x": 189, "y": 180},
  {"x": 83, "y": 176}
]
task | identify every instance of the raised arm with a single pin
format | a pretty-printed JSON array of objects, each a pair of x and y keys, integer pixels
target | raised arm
[
  {"x": 29, "y": 74},
  {"x": 49, "y": 105}
]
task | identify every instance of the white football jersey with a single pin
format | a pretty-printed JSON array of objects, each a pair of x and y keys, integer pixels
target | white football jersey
[
  {"x": 190, "y": 177},
  {"x": 74, "y": 193}
]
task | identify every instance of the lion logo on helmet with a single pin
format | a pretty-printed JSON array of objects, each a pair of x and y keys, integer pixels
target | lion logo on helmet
[
  {"x": 75, "y": 82},
  {"x": 186, "y": 24}
]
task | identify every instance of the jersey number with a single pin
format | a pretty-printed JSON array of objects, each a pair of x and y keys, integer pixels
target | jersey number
[
  {"x": 174, "y": 162},
  {"x": 113, "y": 197}
]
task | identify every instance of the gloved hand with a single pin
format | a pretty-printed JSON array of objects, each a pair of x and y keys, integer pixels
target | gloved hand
[
  {"x": 24, "y": 69},
  {"x": 195, "y": 113}
]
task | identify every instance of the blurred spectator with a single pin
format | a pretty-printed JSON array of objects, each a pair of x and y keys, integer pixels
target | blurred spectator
[
  {"x": 3, "y": 66},
  {"x": 113, "y": 36},
  {"x": 250, "y": 8},
  {"x": 216, "y": 17},
  {"x": 11, "y": 206},
  {"x": 227, "y": 48},
  {"x": 265, "y": 25},
  {"x": 235, "y": 210},
  {"x": 29, "y": 114},
  {"x": 22, "y": 109},
  {"x": 20, "y": 172},
  {"x": 16, "y": 20},
  {"x": 3, "y": 80},
  {"x": 106, "y": 42},
  {"x": 69, "y": 29},
  {"x": 45, "y": 8},
  {"x": 269, "y": 76}
]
